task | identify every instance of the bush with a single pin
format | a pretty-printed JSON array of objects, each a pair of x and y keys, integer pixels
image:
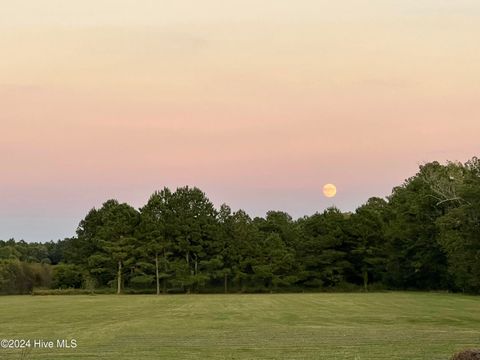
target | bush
[
  {"x": 67, "y": 276},
  {"x": 467, "y": 355},
  {"x": 141, "y": 281},
  {"x": 71, "y": 291},
  {"x": 60, "y": 292},
  {"x": 17, "y": 277}
]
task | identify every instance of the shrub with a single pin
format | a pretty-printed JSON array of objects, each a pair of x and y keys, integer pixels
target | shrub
[
  {"x": 141, "y": 281},
  {"x": 467, "y": 355},
  {"x": 17, "y": 277},
  {"x": 67, "y": 276},
  {"x": 60, "y": 292}
]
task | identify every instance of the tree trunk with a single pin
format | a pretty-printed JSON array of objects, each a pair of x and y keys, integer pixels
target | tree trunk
[
  {"x": 188, "y": 266},
  {"x": 164, "y": 280},
  {"x": 119, "y": 277},
  {"x": 195, "y": 273},
  {"x": 225, "y": 282},
  {"x": 365, "y": 280},
  {"x": 156, "y": 273}
]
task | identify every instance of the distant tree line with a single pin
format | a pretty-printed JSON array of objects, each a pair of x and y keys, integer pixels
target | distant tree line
[{"x": 424, "y": 236}]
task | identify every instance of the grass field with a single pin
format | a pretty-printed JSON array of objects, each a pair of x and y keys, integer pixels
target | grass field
[{"x": 293, "y": 326}]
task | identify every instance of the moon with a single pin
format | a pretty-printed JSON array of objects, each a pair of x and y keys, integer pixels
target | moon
[{"x": 329, "y": 190}]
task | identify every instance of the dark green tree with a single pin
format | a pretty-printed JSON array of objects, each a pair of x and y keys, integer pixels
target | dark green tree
[
  {"x": 323, "y": 250},
  {"x": 105, "y": 237},
  {"x": 366, "y": 235},
  {"x": 156, "y": 236},
  {"x": 460, "y": 231},
  {"x": 415, "y": 259},
  {"x": 192, "y": 228}
]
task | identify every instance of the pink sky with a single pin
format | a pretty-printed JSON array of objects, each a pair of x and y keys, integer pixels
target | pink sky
[{"x": 257, "y": 103}]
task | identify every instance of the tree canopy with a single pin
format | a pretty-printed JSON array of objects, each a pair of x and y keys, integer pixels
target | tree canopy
[{"x": 424, "y": 235}]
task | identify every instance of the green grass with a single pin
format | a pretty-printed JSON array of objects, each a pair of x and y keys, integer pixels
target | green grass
[{"x": 292, "y": 326}]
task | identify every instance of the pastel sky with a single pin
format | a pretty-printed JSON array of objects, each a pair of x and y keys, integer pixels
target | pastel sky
[{"x": 259, "y": 103}]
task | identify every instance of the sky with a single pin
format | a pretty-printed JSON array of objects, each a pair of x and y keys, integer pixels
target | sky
[{"x": 258, "y": 103}]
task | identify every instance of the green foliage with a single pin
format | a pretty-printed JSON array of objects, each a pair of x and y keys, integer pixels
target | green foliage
[
  {"x": 415, "y": 259},
  {"x": 105, "y": 242},
  {"x": 18, "y": 277},
  {"x": 67, "y": 276},
  {"x": 141, "y": 281},
  {"x": 460, "y": 232},
  {"x": 366, "y": 236},
  {"x": 323, "y": 249},
  {"x": 60, "y": 291},
  {"x": 425, "y": 235}
]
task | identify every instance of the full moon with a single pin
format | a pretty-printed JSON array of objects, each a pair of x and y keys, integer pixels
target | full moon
[{"x": 329, "y": 190}]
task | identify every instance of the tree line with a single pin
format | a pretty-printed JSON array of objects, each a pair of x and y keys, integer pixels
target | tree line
[{"x": 424, "y": 236}]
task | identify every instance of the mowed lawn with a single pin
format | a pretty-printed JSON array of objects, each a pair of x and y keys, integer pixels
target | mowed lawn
[{"x": 289, "y": 326}]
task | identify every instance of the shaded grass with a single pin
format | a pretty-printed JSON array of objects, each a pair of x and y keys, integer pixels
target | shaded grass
[{"x": 287, "y": 326}]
